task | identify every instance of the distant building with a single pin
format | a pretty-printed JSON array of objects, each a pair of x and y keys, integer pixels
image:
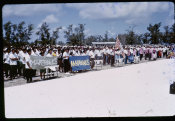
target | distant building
[{"x": 103, "y": 43}]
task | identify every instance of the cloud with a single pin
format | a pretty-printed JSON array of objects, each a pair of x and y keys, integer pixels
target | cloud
[
  {"x": 29, "y": 9},
  {"x": 130, "y": 11},
  {"x": 50, "y": 19},
  {"x": 170, "y": 18}
]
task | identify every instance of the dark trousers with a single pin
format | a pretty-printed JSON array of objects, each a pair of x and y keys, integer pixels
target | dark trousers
[
  {"x": 104, "y": 59},
  {"x": 92, "y": 63},
  {"x": 126, "y": 58},
  {"x": 146, "y": 56},
  {"x": 141, "y": 56},
  {"x": 108, "y": 59},
  {"x": 164, "y": 54},
  {"x": 112, "y": 60},
  {"x": 20, "y": 68},
  {"x": 149, "y": 55},
  {"x": 6, "y": 69},
  {"x": 13, "y": 71},
  {"x": 66, "y": 65},
  {"x": 60, "y": 63},
  {"x": 29, "y": 73}
]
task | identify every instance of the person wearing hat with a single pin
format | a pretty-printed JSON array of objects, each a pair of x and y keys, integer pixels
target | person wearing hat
[
  {"x": 49, "y": 53},
  {"x": 54, "y": 53},
  {"x": 13, "y": 64}
]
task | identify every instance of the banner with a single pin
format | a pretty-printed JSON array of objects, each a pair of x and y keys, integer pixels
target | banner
[
  {"x": 79, "y": 63},
  {"x": 39, "y": 62}
]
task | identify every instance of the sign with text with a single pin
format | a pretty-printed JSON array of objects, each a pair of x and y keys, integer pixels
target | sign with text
[
  {"x": 39, "y": 62},
  {"x": 79, "y": 63}
]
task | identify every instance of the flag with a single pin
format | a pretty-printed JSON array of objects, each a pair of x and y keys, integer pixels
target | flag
[{"x": 118, "y": 44}]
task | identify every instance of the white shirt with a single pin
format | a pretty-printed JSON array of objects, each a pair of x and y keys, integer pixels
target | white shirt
[
  {"x": 92, "y": 54},
  {"x": 49, "y": 55},
  {"x": 65, "y": 54},
  {"x": 13, "y": 62},
  {"x": 118, "y": 52},
  {"x": 104, "y": 51},
  {"x": 27, "y": 57},
  {"x": 83, "y": 54},
  {"x": 6, "y": 57},
  {"x": 125, "y": 51},
  {"x": 33, "y": 53},
  {"x": 131, "y": 50},
  {"x": 24, "y": 57},
  {"x": 164, "y": 49},
  {"x": 99, "y": 53},
  {"x": 77, "y": 54},
  {"x": 87, "y": 52}
]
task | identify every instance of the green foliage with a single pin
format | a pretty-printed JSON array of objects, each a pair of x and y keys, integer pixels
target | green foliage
[
  {"x": 76, "y": 36},
  {"x": 154, "y": 33},
  {"x": 17, "y": 34},
  {"x": 45, "y": 36}
]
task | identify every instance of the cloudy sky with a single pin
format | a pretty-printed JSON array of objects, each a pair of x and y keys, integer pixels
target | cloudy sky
[{"x": 114, "y": 17}]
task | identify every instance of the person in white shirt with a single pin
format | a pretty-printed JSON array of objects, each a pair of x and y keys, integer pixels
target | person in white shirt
[
  {"x": 60, "y": 59},
  {"x": 99, "y": 55},
  {"x": 84, "y": 53},
  {"x": 104, "y": 56},
  {"x": 49, "y": 53},
  {"x": 6, "y": 62},
  {"x": 66, "y": 60},
  {"x": 13, "y": 64},
  {"x": 29, "y": 72},
  {"x": 164, "y": 51},
  {"x": 19, "y": 63},
  {"x": 77, "y": 53},
  {"x": 92, "y": 58}
]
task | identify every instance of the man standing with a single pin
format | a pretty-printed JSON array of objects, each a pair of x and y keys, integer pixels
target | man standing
[
  {"x": 13, "y": 64},
  {"x": 6, "y": 62},
  {"x": 92, "y": 57},
  {"x": 29, "y": 72},
  {"x": 141, "y": 53},
  {"x": 126, "y": 55},
  {"x": 66, "y": 60},
  {"x": 49, "y": 53}
]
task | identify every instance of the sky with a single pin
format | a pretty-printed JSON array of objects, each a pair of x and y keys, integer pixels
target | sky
[{"x": 114, "y": 17}]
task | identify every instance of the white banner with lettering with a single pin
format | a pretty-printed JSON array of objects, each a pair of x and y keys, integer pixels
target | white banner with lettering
[{"x": 39, "y": 62}]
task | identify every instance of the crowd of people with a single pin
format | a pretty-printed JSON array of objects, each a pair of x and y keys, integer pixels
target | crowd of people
[{"x": 17, "y": 62}]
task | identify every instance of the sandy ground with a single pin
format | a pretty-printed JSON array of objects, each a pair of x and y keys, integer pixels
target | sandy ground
[
  {"x": 21, "y": 81},
  {"x": 136, "y": 90}
]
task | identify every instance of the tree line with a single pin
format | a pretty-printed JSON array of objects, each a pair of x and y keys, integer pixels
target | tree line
[{"x": 20, "y": 34}]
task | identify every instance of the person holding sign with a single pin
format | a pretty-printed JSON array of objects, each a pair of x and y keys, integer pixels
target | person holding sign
[{"x": 66, "y": 60}]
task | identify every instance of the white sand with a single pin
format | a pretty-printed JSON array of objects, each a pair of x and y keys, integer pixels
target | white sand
[{"x": 136, "y": 90}]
